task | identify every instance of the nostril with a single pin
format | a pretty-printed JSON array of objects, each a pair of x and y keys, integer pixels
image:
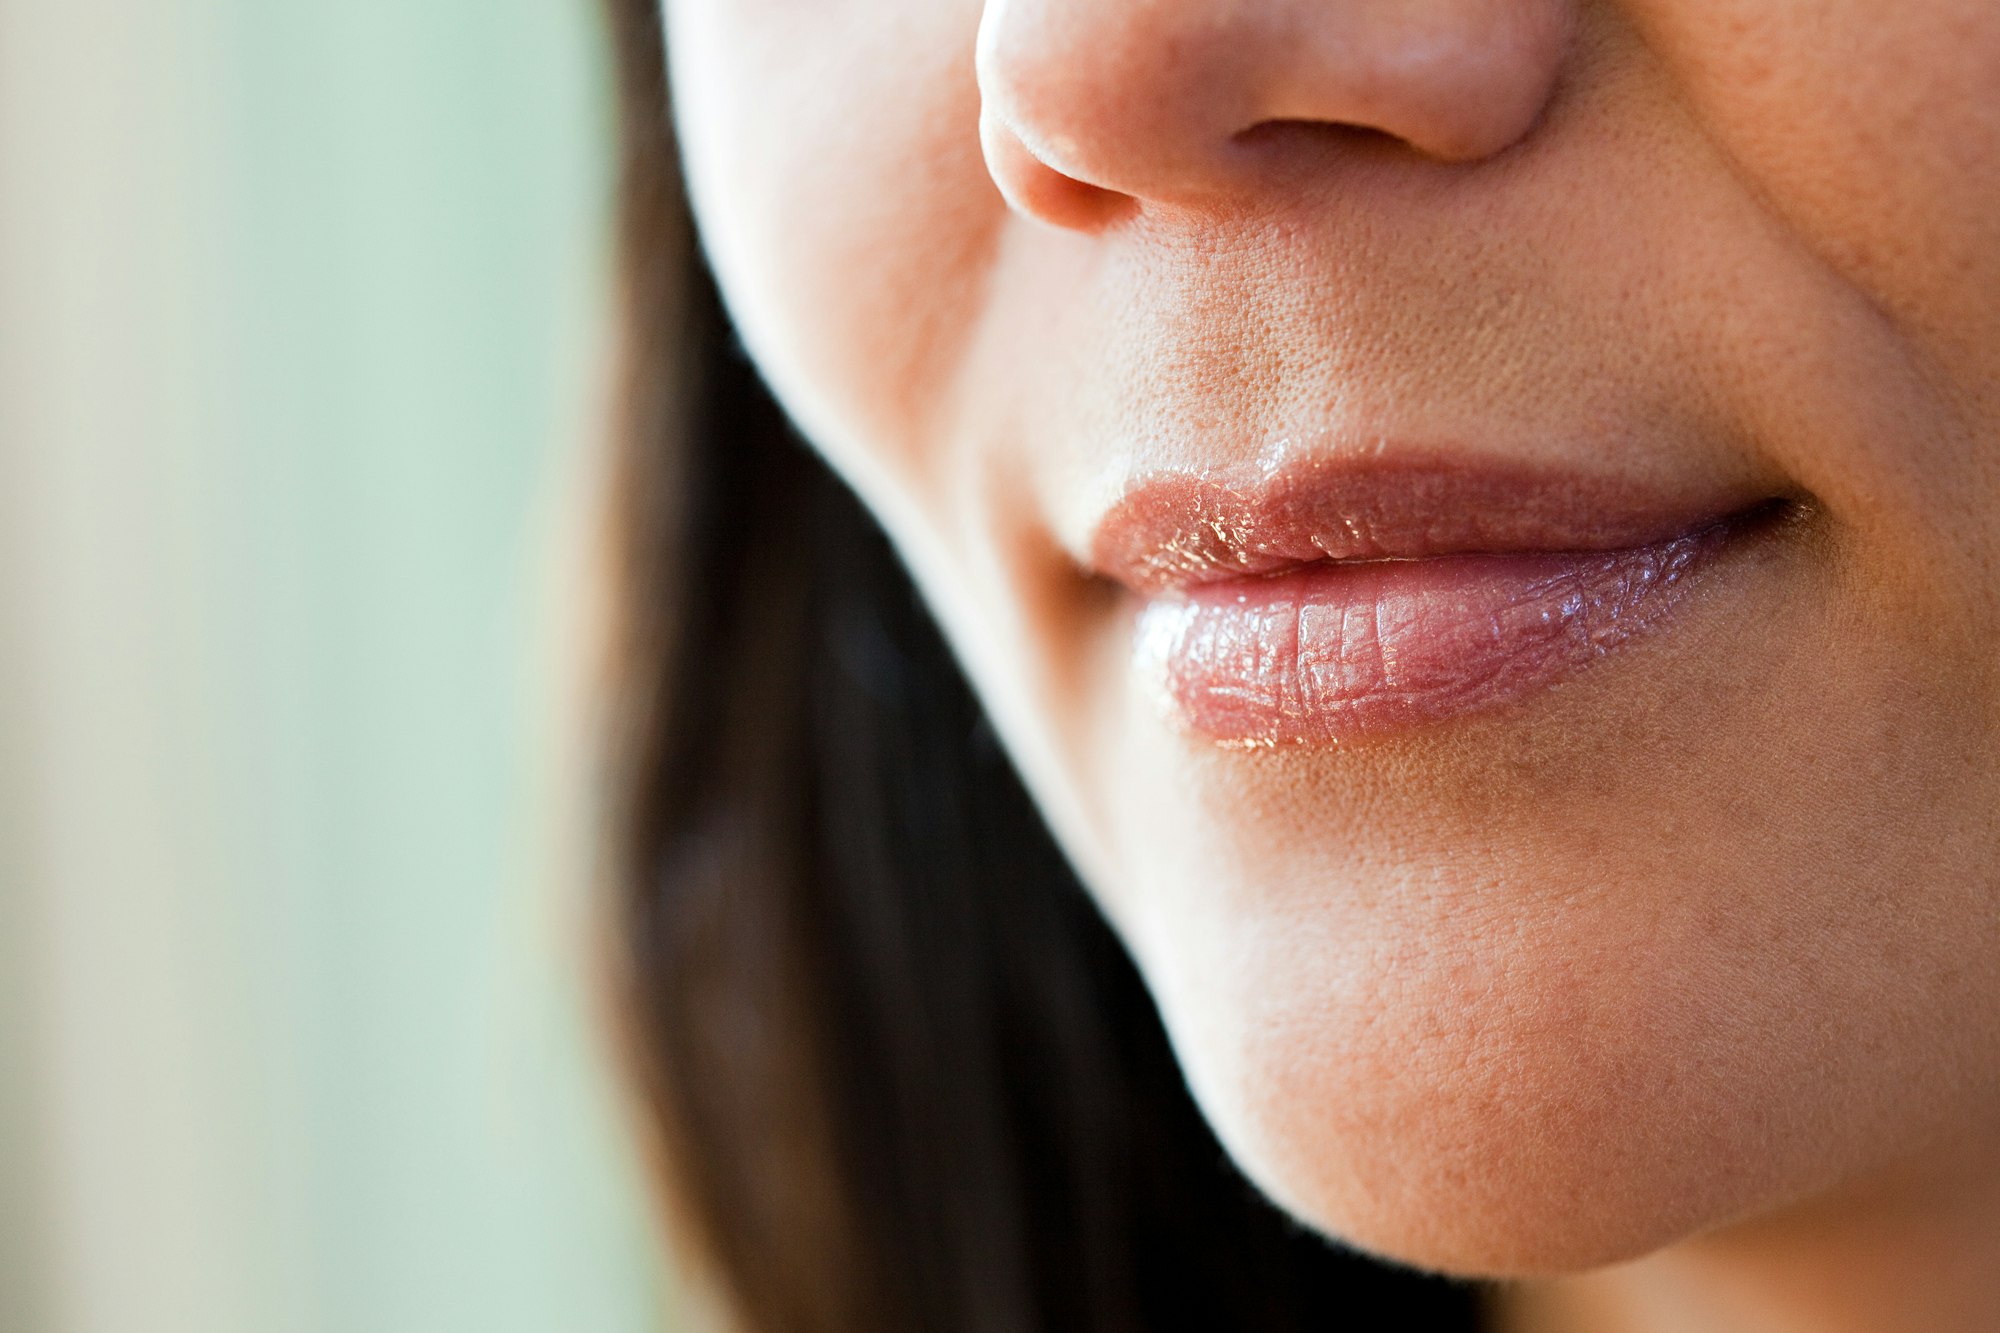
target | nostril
[
  {"x": 1042, "y": 191},
  {"x": 1271, "y": 135},
  {"x": 1312, "y": 139}
]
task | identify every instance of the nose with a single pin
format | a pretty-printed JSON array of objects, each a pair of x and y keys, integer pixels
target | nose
[{"x": 1091, "y": 105}]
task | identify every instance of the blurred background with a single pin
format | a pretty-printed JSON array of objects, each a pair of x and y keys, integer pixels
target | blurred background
[{"x": 300, "y": 353}]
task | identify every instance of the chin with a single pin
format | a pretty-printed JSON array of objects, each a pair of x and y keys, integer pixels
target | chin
[
  {"x": 1493, "y": 1111},
  {"x": 1438, "y": 1195}
]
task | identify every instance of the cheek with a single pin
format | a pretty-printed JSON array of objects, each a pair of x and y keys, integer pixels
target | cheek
[
  {"x": 1873, "y": 133},
  {"x": 1869, "y": 138},
  {"x": 833, "y": 158}
]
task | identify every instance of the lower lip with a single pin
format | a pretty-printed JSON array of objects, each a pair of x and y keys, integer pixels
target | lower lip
[{"x": 1328, "y": 653}]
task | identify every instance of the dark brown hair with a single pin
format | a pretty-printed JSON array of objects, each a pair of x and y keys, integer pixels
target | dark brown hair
[{"x": 902, "y": 1076}]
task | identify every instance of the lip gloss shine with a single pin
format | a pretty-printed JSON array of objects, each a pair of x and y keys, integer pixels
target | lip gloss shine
[{"x": 1333, "y": 652}]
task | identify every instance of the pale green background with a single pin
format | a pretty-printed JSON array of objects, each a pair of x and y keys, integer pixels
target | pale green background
[{"x": 299, "y": 345}]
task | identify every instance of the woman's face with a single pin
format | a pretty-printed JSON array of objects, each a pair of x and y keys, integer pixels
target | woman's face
[{"x": 1479, "y": 521}]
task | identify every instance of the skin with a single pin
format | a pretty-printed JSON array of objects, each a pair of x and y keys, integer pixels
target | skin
[{"x": 1669, "y": 992}]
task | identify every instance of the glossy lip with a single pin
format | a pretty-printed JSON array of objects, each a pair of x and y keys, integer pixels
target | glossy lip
[
  {"x": 1344, "y": 598},
  {"x": 1179, "y": 529}
]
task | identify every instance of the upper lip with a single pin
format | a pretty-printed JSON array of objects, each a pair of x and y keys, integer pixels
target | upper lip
[{"x": 1178, "y": 529}]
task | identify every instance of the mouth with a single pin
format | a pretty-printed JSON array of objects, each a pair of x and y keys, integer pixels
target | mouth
[{"x": 1341, "y": 600}]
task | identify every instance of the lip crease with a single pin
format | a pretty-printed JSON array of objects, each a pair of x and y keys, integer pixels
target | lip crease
[{"x": 1337, "y": 600}]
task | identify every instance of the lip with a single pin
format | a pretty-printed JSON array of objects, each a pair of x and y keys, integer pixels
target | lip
[{"x": 1338, "y": 600}]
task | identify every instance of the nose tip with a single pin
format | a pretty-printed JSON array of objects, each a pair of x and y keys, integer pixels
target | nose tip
[{"x": 1091, "y": 106}]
